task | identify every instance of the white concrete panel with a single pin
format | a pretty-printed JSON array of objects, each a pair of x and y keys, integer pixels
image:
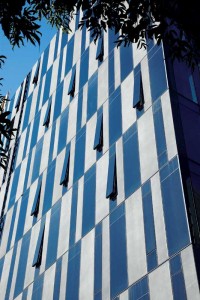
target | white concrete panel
[
  {"x": 160, "y": 283},
  {"x": 51, "y": 52},
  {"x": 2, "y": 193},
  {"x": 14, "y": 277},
  {"x": 64, "y": 56},
  {"x": 90, "y": 153},
  {"x": 138, "y": 54},
  {"x": 29, "y": 292},
  {"x": 159, "y": 223},
  {"x": 20, "y": 185},
  {"x": 102, "y": 93},
  {"x": 120, "y": 171},
  {"x": 105, "y": 41},
  {"x": 189, "y": 273},
  {"x": 57, "y": 188},
  {"x": 146, "y": 83},
  {"x": 84, "y": 105},
  {"x": 105, "y": 127},
  {"x": 86, "y": 288},
  {"x": 147, "y": 146},
  {"x": 136, "y": 251},
  {"x": 79, "y": 212},
  {"x": 77, "y": 77},
  {"x": 106, "y": 259},
  {"x": 63, "y": 277},
  {"x": 87, "y": 39},
  {"x": 54, "y": 76},
  {"x": 45, "y": 151},
  {"x": 117, "y": 73},
  {"x": 48, "y": 286},
  {"x": 56, "y": 137},
  {"x": 59, "y": 41},
  {"x": 71, "y": 129},
  {"x": 64, "y": 229},
  {"x": 128, "y": 112},
  {"x": 93, "y": 63},
  {"x": 45, "y": 242},
  {"x": 6, "y": 231},
  {"x": 77, "y": 46},
  {"x": 102, "y": 204},
  {"x": 168, "y": 125},
  {"x": 5, "y": 272}
]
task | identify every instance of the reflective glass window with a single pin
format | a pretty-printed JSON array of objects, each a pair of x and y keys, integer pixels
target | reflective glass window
[
  {"x": 88, "y": 218},
  {"x": 131, "y": 161},
  {"x": 92, "y": 95},
  {"x": 126, "y": 61},
  {"x": 158, "y": 82},
  {"x": 79, "y": 160},
  {"x": 53, "y": 235},
  {"x": 115, "y": 116},
  {"x": 118, "y": 259},
  {"x": 174, "y": 210}
]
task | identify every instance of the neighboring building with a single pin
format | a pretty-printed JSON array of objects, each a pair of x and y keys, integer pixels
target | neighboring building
[{"x": 100, "y": 199}]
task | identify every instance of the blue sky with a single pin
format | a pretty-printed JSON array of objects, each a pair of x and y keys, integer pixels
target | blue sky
[{"x": 20, "y": 60}]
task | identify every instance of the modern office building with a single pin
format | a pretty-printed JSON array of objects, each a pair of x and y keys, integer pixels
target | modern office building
[{"x": 100, "y": 199}]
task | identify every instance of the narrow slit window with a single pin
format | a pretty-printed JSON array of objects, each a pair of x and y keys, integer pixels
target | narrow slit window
[
  {"x": 98, "y": 140},
  {"x": 38, "y": 251},
  {"x": 138, "y": 96},
  {"x": 71, "y": 90},
  {"x": 36, "y": 202},
  {"x": 19, "y": 98},
  {"x": 65, "y": 171},
  {"x": 47, "y": 115},
  {"x": 35, "y": 78},
  {"x": 112, "y": 191},
  {"x": 100, "y": 49}
]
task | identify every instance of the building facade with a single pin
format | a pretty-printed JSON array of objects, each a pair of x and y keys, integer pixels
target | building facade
[{"x": 100, "y": 196}]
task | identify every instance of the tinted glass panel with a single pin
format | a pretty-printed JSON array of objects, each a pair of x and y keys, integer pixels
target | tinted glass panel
[
  {"x": 88, "y": 218},
  {"x": 22, "y": 217},
  {"x": 92, "y": 96},
  {"x": 49, "y": 188},
  {"x": 84, "y": 68},
  {"x": 126, "y": 61},
  {"x": 58, "y": 102},
  {"x": 158, "y": 80},
  {"x": 63, "y": 130},
  {"x": 72, "y": 291},
  {"x": 115, "y": 116},
  {"x": 79, "y": 154},
  {"x": 160, "y": 133},
  {"x": 174, "y": 212},
  {"x": 37, "y": 160},
  {"x": 21, "y": 271},
  {"x": 70, "y": 50},
  {"x": 118, "y": 263},
  {"x": 47, "y": 86},
  {"x": 131, "y": 161},
  {"x": 53, "y": 235}
]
